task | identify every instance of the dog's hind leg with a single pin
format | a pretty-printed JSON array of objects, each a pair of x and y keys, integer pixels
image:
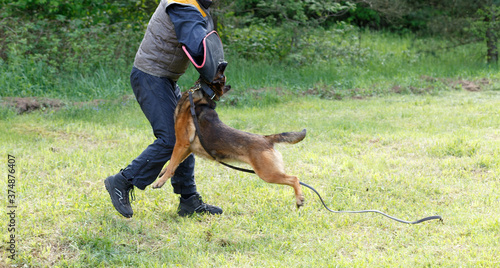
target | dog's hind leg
[
  {"x": 294, "y": 182},
  {"x": 269, "y": 167}
]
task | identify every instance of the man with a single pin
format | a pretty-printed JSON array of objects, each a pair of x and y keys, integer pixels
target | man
[{"x": 177, "y": 28}]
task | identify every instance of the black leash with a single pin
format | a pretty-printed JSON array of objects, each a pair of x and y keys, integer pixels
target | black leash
[
  {"x": 197, "y": 127},
  {"x": 373, "y": 211}
]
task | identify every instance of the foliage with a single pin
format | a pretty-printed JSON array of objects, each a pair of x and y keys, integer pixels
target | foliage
[
  {"x": 91, "y": 12},
  {"x": 459, "y": 21},
  {"x": 73, "y": 36},
  {"x": 40, "y": 55},
  {"x": 71, "y": 46},
  {"x": 487, "y": 27},
  {"x": 351, "y": 63},
  {"x": 276, "y": 44},
  {"x": 483, "y": 19},
  {"x": 280, "y": 29},
  {"x": 363, "y": 17},
  {"x": 65, "y": 38},
  {"x": 306, "y": 13}
]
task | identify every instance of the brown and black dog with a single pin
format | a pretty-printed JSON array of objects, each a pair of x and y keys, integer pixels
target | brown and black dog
[{"x": 225, "y": 143}]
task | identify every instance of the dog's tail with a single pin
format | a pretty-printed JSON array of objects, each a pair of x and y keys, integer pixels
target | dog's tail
[{"x": 288, "y": 137}]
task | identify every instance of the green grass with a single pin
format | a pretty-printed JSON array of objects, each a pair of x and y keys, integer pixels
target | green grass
[{"x": 408, "y": 155}]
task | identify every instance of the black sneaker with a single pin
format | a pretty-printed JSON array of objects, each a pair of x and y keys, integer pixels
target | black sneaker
[
  {"x": 119, "y": 188},
  {"x": 194, "y": 204}
]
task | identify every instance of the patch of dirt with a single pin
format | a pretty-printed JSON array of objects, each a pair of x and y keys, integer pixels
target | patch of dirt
[
  {"x": 433, "y": 83},
  {"x": 276, "y": 90},
  {"x": 470, "y": 85},
  {"x": 324, "y": 93},
  {"x": 29, "y": 104},
  {"x": 397, "y": 89},
  {"x": 457, "y": 84}
]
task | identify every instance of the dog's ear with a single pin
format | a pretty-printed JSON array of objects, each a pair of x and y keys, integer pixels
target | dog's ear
[
  {"x": 221, "y": 68},
  {"x": 220, "y": 71},
  {"x": 219, "y": 76},
  {"x": 218, "y": 85}
]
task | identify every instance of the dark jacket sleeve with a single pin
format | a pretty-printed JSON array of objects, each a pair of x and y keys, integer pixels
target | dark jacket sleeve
[{"x": 190, "y": 28}]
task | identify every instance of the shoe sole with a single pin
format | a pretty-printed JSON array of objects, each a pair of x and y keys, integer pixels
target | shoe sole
[{"x": 186, "y": 213}]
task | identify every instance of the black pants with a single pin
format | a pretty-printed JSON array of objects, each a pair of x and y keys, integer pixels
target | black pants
[{"x": 158, "y": 97}]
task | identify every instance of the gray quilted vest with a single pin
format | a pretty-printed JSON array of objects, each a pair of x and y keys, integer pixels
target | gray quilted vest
[{"x": 160, "y": 54}]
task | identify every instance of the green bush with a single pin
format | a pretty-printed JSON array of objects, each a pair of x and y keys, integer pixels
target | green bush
[
  {"x": 277, "y": 44},
  {"x": 90, "y": 11},
  {"x": 72, "y": 36},
  {"x": 67, "y": 45}
]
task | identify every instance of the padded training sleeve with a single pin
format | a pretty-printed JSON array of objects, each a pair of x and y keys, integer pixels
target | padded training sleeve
[{"x": 190, "y": 28}]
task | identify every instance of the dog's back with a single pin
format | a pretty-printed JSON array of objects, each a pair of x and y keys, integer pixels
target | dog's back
[{"x": 227, "y": 143}]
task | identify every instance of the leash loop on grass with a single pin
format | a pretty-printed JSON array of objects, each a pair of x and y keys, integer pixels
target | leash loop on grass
[{"x": 372, "y": 211}]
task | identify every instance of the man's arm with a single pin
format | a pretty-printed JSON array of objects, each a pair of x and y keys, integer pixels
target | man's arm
[{"x": 190, "y": 28}]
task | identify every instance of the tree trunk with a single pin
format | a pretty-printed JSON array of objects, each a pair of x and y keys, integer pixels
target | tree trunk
[{"x": 491, "y": 37}]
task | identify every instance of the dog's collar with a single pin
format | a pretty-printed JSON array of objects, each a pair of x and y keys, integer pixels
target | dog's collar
[{"x": 206, "y": 89}]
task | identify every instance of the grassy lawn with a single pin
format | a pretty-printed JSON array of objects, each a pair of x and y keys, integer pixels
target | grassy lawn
[{"x": 408, "y": 155}]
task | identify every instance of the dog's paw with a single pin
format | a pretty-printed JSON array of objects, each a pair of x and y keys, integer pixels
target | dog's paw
[
  {"x": 300, "y": 201},
  {"x": 158, "y": 184}
]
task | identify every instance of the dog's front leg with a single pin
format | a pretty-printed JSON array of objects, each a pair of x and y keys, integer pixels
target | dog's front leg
[{"x": 180, "y": 153}]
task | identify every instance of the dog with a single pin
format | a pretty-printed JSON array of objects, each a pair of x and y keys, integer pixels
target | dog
[{"x": 224, "y": 143}]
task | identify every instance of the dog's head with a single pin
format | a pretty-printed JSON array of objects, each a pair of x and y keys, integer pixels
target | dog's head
[{"x": 218, "y": 85}]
